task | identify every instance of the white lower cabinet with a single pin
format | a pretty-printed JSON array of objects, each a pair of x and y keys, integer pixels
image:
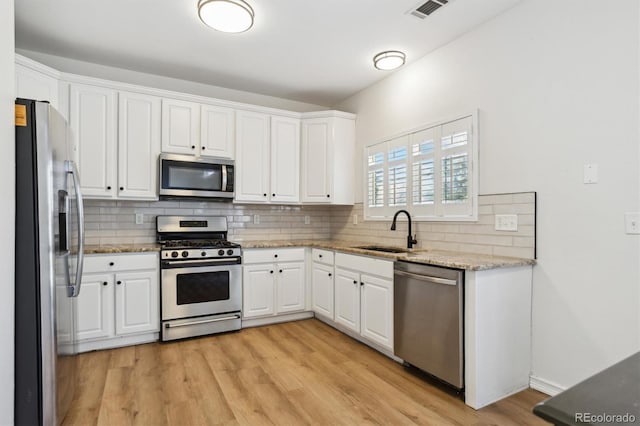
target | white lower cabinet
[
  {"x": 273, "y": 282},
  {"x": 119, "y": 301},
  {"x": 322, "y": 289}
]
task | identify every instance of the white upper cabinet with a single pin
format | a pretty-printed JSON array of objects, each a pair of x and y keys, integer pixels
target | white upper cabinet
[
  {"x": 328, "y": 149},
  {"x": 217, "y": 131},
  {"x": 138, "y": 145},
  {"x": 197, "y": 129},
  {"x": 285, "y": 160},
  {"x": 38, "y": 85},
  {"x": 93, "y": 121},
  {"x": 180, "y": 126},
  {"x": 252, "y": 156}
]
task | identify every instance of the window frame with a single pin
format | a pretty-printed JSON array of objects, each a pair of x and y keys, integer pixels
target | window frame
[{"x": 438, "y": 211}]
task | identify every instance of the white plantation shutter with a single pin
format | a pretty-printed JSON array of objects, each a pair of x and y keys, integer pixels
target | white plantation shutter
[{"x": 430, "y": 172}]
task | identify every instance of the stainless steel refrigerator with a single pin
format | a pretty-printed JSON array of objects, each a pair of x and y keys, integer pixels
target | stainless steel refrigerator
[{"x": 49, "y": 255}]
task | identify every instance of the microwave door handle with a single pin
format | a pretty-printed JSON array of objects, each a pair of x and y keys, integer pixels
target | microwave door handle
[
  {"x": 224, "y": 178},
  {"x": 74, "y": 289}
]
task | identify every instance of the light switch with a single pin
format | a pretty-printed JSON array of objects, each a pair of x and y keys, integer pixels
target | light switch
[
  {"x": 506, "y": 222},
  {"x": 355, "y": 219},
  {"x": 632, "y": 223},
  {"x": 307, "y": 220},
  {"x": 256, "y": 219},
  {"x": 590, "y": 173},
  {"x": 139, "y": 218}
]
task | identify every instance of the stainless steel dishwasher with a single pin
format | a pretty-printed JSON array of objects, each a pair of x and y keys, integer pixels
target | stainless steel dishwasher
[{"x": 428, "y": 320}]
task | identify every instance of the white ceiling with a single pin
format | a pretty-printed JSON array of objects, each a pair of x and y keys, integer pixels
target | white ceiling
[{"x": 312, "y": 51}]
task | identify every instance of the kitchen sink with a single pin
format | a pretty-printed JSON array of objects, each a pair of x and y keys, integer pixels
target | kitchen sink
[{"x": 383, "y": 249}]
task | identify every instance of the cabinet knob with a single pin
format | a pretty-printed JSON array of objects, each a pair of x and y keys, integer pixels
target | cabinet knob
[
  {"x": 273, "y": 195},
  {"x": 264, "y": 194},
  {"x": 122, "y": 188},
  {"x": 361, "y": 283},
  {"x": 203, "y": 148},
  {"x": 328, "y": 196},
  {"x": 271, "y": 272},
  {"x": 193, "y": 147},
  {"x": 108, "y": 188},
  {"x": 280, "y": 271},
  {"x": 104, "y": 283},
  {"x": 118, "y": 282},
  {"x": 320, "y": 256},
  {"x": 275, "y": 255},
  {"x": 111, "y": 263},
  {"x": 355, "y": 282},
  {"x": 330, "y": 274}
]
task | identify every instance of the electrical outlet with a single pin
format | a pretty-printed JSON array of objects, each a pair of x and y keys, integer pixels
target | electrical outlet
[
  {"x": 256, "y": 219},
  {"x": 355, "y": 219},
  {"x": 506, "y": 222},
  {"x": 590, "y": 173},
  {"x": 139, "y": 218},
  {"x": 307, "y": 219},
  {"x": 632, "y": 223}
]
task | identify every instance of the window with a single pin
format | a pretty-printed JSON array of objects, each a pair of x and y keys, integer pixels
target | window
[{"x": 432, "y": 172}]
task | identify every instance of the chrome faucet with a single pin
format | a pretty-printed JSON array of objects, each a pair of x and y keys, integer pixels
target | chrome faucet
[{"x": 410, "y": 240}]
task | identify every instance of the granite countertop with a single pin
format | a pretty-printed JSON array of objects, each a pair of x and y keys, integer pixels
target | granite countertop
[
  {"x": 122, "y": 248},
  {"x": 449, "y": 259}
]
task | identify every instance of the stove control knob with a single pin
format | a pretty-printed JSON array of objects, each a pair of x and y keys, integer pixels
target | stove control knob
[
  {"x": 174, "y": 254},
  {"x": 185, "y": 253},
  {"x": 229, "y": 252},
  {"x": 220, "y": 252},
  {"x": 204, "y": 253}
]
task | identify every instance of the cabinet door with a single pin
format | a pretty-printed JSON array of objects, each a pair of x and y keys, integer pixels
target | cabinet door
[
  {"x": 322, "y": 290},
  {"x": 137, "y": 302},
  {"x": 180, "y": 127},
  {"x": 347, "y": 289},
  {"x": 377, "y": 310},
  {"x": 252, "y": 157},
  {"x": 138, "y": 145},
  {"x": 258, "y": 286},
  {"x": 217, "y": 131},
  {"x": 92, "y": 118},
  {"x": 290, "y": 287},
  {"x": 31, "y": 84},
  {"x": 316, "y": 154},
  {"x": 285, "y": 160},
  {"x": 94, "y": 308}
]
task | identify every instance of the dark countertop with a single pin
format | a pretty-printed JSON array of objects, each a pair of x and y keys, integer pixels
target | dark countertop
[{"x": 612, "y": 392}]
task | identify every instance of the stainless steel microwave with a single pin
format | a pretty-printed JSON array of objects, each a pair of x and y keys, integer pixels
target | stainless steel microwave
[{"x": 191, "y": 177}]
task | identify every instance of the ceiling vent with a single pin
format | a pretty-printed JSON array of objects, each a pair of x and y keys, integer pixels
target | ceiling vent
[{"x": 426, "y": 9}]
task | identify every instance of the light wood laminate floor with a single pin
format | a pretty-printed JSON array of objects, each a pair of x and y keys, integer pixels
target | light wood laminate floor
[{"x": 294, "y": 373}]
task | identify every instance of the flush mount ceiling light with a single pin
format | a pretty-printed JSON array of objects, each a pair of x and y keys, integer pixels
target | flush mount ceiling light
[
  {"x": 389, "y": 60},
  {"x": 229, "y": 16}
]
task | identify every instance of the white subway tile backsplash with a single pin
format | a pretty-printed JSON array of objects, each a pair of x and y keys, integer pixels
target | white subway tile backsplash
[{"x": 113, "y": 222}]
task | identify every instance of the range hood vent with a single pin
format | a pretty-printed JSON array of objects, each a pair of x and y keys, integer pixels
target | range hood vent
[{"x": 426, "y": 9}]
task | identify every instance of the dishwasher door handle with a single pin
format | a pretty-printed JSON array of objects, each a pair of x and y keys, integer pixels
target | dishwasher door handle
[{"x": 431, "y": 279}]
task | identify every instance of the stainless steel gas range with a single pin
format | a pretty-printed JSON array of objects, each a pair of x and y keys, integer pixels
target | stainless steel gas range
[{"x": 201, "y": 277}]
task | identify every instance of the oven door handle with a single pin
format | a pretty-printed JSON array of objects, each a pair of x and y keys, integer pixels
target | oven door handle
[
  {"x": 185, "y": 324},
  {"x": 197, "y": 262}
]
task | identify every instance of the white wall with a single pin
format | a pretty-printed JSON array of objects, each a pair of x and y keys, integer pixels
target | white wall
[
  {"x": 556, "y": 87},
  {"x": 7, "y": 220},
  {"x": 156, "y": 81}
]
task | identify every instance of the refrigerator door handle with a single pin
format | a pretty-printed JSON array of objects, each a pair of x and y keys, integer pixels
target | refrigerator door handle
[
  {"x": 63, "y": 221},
  {"x": 74, "y": 288}
]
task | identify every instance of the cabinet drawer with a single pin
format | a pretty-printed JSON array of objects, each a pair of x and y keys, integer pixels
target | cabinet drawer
[
  {"x": 120, "y": 262},
  {"x": 273, "y": 255},
  {"x": 322, "y": 256},
  {"x": 368, "y": 265}
]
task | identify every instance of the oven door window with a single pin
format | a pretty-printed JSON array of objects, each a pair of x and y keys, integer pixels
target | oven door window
[
  {"x": 191, "y": 176},
  {"x": 202, "y": 287}
]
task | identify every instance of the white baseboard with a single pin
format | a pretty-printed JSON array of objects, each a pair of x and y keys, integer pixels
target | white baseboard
[
  {"x": 246, "y": 323},
  {"x": 117, "y": 342},
  {"x": 545, "y": 386}
]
